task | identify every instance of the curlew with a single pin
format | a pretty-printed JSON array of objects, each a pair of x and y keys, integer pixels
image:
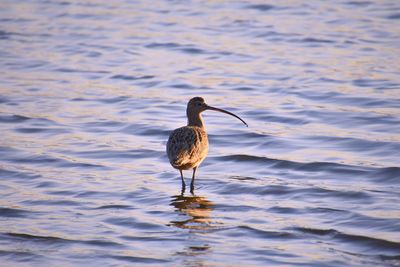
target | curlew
[{"x": 187, "y": 146}]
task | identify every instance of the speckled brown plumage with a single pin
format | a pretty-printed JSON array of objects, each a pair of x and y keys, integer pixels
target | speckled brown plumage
[{"x": 187, "y": 147}]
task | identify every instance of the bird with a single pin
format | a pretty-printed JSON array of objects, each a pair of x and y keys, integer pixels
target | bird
[{"x": 187, "y": 146}]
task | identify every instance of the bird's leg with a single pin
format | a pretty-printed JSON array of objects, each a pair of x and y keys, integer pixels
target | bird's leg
[
  {"x": 192, "y": 183},
  {"x": 183, "y": 182}
]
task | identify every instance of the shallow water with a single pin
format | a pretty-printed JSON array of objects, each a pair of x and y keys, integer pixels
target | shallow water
[{"x": 90, "y": 91}]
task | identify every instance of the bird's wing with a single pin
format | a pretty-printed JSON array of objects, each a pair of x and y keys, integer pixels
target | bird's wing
[{"x": 185, "y": 145}]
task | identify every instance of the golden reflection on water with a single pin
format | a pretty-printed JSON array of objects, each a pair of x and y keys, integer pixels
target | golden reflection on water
[{"x": 196, "y": 210}]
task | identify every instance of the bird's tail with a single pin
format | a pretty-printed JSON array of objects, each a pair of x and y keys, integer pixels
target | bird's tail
[{"x": 179, "y": 160}]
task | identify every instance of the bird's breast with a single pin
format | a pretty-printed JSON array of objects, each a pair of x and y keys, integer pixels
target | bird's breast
[{"x": 187, "y": 147}]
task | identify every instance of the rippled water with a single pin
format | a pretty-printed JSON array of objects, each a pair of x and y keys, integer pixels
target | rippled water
[{"x": 90, "y": 91}]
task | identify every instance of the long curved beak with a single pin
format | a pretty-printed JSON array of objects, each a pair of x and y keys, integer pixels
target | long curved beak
[{"x": 227, "y": 112}]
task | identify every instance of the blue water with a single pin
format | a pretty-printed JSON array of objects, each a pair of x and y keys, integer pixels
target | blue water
[{"x": 90, "y": 90}]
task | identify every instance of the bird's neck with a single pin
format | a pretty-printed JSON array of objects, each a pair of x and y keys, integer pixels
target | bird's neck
[{"x": 195, "y": 120}]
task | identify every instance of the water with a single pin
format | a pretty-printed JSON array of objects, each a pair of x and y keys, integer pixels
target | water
[{"x": 90, "y": 91}]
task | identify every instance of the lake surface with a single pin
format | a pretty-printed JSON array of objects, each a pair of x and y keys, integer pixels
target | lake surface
[{"x": 90, "y": 90}]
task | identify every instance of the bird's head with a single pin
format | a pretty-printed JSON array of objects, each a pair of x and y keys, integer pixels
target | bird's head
[{"x": 197, "y": 105}]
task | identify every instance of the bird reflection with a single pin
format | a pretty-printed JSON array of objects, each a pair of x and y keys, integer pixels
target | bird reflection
[{"x": 197, "y": 208}]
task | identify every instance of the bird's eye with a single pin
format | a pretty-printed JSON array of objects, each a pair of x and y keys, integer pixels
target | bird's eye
[{"x": 198, "y": 104}]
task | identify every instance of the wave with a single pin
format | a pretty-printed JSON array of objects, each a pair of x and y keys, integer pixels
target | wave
[
  {"x": 60, "y": 240},
  {"x": 383, "y": 174},
  {"x": 363, "y": 241}
]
